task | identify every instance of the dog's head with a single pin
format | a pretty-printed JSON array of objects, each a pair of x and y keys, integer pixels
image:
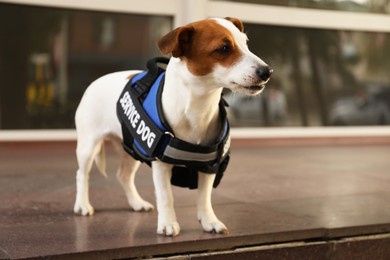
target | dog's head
[{"x": 217, "y": 49}]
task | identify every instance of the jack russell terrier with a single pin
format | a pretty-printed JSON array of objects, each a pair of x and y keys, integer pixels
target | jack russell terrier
[{"x": 208, "y": 55}]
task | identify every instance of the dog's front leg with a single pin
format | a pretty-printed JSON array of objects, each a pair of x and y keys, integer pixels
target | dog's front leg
[
  {"x": 167, "y": 223},
  {"x": 206, "y": 215}
]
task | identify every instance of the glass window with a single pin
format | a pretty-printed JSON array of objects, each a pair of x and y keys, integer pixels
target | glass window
[
  {"x": 373, "y": 6},
  {"x": 321, "y": 77},
  {"x": 49, "y": 56}
]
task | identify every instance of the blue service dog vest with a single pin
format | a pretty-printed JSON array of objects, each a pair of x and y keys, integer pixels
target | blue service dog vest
[{"x": 147, "y": 136}]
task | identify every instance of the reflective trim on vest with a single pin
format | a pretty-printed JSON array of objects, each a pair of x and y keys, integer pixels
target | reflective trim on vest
[{"x": 189, "y": 156}]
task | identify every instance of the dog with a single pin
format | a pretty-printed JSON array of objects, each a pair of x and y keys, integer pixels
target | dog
[{"x": 207, "y": 56}]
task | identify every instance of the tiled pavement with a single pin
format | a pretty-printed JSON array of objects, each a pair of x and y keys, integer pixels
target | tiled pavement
[{"x": 279, "y": 202}]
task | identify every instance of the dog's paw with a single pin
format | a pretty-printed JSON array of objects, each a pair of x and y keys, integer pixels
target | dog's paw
[
  {"x": 142, "y": 205},
  {"x": 214, "y": 226},
  {"x": 83, "y": 209},
  {"x": 171, "y": 229}
]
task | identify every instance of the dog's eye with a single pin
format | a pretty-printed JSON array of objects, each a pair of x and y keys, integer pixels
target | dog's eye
[{"x": 223, "y": 50}]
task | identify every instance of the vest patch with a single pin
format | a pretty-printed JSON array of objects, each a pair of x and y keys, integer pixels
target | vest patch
[{"x": 139, "y": 126}]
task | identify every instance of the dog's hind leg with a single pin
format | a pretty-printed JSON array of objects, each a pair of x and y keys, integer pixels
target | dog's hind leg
[
  {"x": 86, "y": 151},
  {"x": 206, "y": 215},
  {"x": 126, "y": 177}
]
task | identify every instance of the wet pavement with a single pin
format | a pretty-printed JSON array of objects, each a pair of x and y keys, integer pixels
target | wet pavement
[{"x": 323, "y": 201}]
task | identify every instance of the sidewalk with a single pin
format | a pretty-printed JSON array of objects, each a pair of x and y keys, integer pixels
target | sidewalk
[{"x": 321, "y": 202}]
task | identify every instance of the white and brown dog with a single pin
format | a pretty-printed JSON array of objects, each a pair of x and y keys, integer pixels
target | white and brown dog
[{"x": 208, "y": 55}]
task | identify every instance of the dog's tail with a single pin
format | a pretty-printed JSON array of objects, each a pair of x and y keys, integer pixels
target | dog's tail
[{"x": 100, "y": 160}]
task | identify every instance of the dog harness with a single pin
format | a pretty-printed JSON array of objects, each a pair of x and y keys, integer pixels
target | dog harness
[{"x": 148, "y": 137}]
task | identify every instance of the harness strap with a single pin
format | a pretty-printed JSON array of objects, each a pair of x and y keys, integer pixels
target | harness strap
[
  {"x": 205, "y": 158},
  {"x": 154, "y": 71}
]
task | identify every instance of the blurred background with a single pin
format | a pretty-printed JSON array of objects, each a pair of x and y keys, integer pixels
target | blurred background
[{"x": 331, "y": 57}]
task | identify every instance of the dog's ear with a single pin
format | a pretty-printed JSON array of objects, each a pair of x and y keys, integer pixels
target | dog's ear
[
  {"x": 236, "y": 22},
  {"x": 176, "y": 41}
]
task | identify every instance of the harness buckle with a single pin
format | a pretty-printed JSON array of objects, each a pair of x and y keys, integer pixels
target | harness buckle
[{"x": 170, "y": 134}]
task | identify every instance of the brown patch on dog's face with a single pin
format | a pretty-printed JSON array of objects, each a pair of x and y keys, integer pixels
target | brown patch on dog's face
[
  {"x": 202, "y": 45},
  {"x": 211, "y": 43},
  {"x": 236, "y": 23}
]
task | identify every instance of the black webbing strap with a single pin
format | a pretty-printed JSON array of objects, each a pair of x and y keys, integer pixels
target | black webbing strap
[
  {"x": 154, "y": 70},
  {"x": 185, "y": 172}
]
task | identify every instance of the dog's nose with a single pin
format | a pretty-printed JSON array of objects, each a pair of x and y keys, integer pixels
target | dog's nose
[{"x": 264, "y": 72}]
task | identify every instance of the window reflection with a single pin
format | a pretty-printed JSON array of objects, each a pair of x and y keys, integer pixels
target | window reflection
[
  {"x": 49, "y": 56},
  {"x": 322, "y": 77},
  {"x": 374, "y": 6}
]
